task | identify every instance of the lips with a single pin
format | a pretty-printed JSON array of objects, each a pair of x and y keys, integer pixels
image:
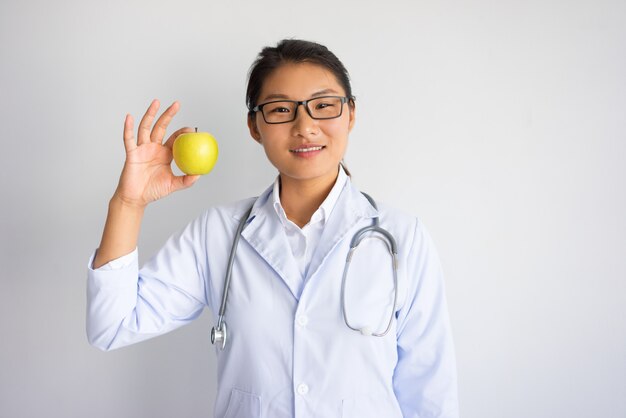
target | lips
[{"x": 307, "y": 148}]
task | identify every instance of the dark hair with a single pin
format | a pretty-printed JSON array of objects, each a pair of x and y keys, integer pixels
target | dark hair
[{"x": 292, "y": 51}]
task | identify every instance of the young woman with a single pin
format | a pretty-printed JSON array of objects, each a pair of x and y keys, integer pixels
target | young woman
[{"x": 303, "y": 328}]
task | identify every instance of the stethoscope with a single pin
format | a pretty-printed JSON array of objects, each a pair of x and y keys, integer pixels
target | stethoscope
[{"x": 219, "y": 333}]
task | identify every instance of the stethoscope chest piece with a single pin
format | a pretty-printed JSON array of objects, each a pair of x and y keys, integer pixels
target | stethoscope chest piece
[{"x": 218, "y": 335}]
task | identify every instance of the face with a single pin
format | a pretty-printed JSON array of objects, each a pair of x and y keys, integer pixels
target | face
[{"x": 305, "y": 149}]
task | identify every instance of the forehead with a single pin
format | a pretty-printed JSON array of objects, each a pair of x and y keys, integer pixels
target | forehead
[{"x": 299, "y": 81}]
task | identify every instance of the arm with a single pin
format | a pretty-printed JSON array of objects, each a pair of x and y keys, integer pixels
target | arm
[
  {"x": 129, "y": 305},
  {"x": 147, "y": 176},
  {"x": 121, "y": 232},
  {"x": 425, "y": 379},
  {"x": 117, "y": 298}
]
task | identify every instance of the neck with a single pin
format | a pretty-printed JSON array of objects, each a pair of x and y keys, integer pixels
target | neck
[{"x": 301, "y": 198}]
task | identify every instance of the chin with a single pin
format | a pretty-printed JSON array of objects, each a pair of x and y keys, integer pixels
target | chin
[{"x": 304, "y": 174}]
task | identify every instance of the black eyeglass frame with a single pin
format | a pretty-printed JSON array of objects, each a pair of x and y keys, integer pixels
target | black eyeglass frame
[{"x": 343, "y": 99}]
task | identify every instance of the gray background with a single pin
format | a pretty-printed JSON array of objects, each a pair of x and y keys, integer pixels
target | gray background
[{"x": 500, "y": 123}]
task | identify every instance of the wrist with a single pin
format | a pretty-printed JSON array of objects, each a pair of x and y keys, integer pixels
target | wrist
[{"x": 119, "y": 202}]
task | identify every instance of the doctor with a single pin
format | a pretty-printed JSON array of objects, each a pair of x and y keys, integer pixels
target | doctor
[{"x": 305, "y": 336}]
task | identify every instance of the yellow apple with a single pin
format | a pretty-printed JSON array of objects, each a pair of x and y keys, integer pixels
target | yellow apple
[{"x": 195, "y": 152}]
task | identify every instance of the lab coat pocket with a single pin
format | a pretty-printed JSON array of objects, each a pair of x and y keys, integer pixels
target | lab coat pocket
[{"x": 243, "y": 405}]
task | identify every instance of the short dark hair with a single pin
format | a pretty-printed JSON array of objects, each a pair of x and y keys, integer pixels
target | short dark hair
[{"x": 293, "y": 51}]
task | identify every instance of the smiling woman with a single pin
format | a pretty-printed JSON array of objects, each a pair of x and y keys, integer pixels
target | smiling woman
[
  {"x": 305, "y": 147},
  {"x": 306, "y": 336}
]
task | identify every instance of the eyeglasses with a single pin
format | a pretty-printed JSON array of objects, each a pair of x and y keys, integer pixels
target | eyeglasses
[{"x": 284, "y": 111}]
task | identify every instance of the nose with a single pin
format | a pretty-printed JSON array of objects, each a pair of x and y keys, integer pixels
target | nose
[{"x": 304, "y": 123}]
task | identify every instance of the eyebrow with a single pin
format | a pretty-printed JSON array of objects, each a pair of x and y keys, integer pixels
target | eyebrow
[{"x": 284, "y": 96}]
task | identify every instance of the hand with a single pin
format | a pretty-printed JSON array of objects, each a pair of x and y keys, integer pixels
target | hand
[{"x": 147, "y": 175}]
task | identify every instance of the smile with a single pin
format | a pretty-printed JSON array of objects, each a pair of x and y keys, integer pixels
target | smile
[{"x": 309, "y": 149}]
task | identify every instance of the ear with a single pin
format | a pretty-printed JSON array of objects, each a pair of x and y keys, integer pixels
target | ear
[
  {"x": 254, "y": 130},
  {"x": 351, "y": 120}
]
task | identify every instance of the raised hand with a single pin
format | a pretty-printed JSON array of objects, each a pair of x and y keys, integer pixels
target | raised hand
[{"x": 147, "y": 175}]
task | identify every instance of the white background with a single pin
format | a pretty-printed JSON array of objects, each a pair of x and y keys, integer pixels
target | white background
[{"x": 501, "y": 124}]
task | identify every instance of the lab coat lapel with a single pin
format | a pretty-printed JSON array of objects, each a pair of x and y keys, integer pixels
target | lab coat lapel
[
  {"x": 351, "y": 208},
  {"x": 266, "y": 235}
]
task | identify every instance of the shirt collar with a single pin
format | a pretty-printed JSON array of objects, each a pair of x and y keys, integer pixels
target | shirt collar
[{"x": 323, "y": 212}]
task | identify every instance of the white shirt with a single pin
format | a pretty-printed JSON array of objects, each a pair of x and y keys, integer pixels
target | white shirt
[
  {"x": 303, "y": 241},
  {"x": 289, "y": 352}
]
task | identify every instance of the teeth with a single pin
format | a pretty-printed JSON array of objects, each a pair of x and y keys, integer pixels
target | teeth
[{"x": 307, "y": 149}]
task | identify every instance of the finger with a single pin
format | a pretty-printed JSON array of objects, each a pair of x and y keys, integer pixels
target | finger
[
  {"x": 170, "y": 141},
  {"x": 158, "y": 132},
  {"x": 129, "y": 136},
  {"x": 143, "y": 133},
  {"x": 183, "y": 182}
]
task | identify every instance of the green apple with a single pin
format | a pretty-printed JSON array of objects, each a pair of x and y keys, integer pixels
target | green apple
[{"x": 195, "y": 152}]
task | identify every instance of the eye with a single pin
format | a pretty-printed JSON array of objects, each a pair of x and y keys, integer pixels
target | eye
[
  {"x": 277, "y": 108},
  {"x": 324, "y": 105}
]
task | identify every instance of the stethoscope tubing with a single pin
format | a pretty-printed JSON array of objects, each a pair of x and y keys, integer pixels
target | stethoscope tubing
[
  {"x": 229, "y": 268},
  {"x": 390, "y": 243},
  {"x": 219, "y": 333}
]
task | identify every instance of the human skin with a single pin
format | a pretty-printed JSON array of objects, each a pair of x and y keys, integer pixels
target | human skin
[
  {"x": 306, "y": 177},
  {"x": 147, "y": 176}
]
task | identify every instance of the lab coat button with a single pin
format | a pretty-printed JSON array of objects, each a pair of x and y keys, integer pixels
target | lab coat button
[
  {"x": 303, "y": 389},
  {"x": 302, "y": 320}
]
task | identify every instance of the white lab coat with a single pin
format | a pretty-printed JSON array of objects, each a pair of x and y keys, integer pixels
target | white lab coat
[{"x": 289, "y": 354}]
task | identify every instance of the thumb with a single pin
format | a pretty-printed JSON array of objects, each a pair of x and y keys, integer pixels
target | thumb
[{"x": 183, "y": 182}]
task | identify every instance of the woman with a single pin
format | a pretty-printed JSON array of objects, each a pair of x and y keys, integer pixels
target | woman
[{"x": 305, "y": 337}]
